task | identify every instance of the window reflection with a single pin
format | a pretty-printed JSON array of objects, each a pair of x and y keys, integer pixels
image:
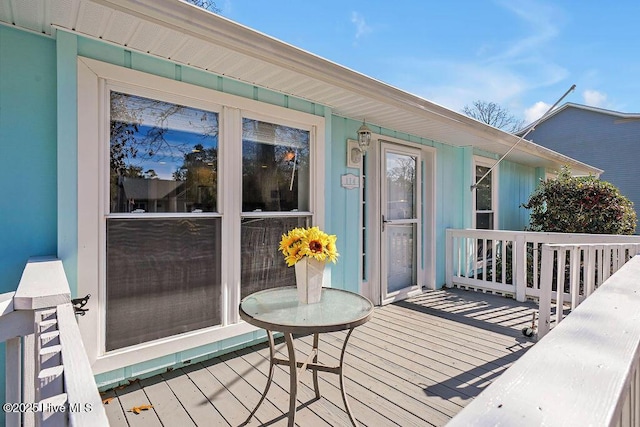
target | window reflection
[
  {"x": 484, "y": 199},
  {"x": 163, "y": 156},
  {"x": 275, "y": 167},
  {"x": 483, "y": 190},
  {"x": 400, "y": 175}
]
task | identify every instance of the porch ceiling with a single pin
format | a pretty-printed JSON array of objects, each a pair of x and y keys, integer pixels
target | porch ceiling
[{"x": 188, "y": 35}]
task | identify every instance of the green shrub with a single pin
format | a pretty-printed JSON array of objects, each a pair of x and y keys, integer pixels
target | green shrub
[{"x": 585, "y": 204}]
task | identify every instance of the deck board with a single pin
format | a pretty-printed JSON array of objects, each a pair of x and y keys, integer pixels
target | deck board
[
  {"x": 190, "y": 396},
  {"x": 416, "y": 363}
]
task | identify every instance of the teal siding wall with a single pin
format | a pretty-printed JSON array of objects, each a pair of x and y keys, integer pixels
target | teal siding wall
[
  {"x": 516, "y": 183},
  {"x": 28, "y": 155},
  {"x": 344, "y": 210},
  {"x": 27, "y": 151},
  {"x": 66, "y": 47},
  {"x": 453, "y": 198}
]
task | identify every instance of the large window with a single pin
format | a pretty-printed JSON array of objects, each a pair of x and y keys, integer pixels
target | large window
[{"x": 183, "y": 195}]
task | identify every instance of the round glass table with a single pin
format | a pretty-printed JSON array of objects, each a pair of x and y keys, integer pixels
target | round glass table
[{"x": 278, "y": 310}]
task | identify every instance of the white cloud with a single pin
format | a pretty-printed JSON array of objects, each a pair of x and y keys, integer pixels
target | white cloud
[
  {"x": 457, "y": 84},
  {"x": 536, "y": 111},
  {"x": 539, "y": 17},
  {"x": 594, "y": 98},
  {"x": 362, "y": 28}
]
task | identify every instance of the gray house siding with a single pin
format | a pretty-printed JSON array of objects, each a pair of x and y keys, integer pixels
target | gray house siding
[{"x": 599, "y": 139}]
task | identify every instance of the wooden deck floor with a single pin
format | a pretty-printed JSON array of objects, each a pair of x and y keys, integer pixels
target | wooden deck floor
[{"x": 416, "y": 363}]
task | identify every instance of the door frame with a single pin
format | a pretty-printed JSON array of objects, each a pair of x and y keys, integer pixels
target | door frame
[{"x": 426, "y": 259}]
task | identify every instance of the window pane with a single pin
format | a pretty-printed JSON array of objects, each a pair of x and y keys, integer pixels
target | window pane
[
  {"x": 163, "y": 278},
  {"x": 262, "y": 264},
  {"x": 275, "y": 167},
  {"x": 400, "y": 175},
  {"x": 484, "y": 220},
  {"x": 483, "y": 190},
  {"x": 163, "y": 156}
]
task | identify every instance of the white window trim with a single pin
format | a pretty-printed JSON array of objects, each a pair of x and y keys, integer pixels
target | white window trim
[
  {"x": 94, "y": 78},
  {"x": 483, "y": 161}
]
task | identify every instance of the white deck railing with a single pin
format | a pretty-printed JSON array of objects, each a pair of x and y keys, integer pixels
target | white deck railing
[
  {"x": 48, "y": 377},
  {"x": 584, "y": 372},
  {"x": 509, "y": 261},
  {"x": 580, "y": 269}
]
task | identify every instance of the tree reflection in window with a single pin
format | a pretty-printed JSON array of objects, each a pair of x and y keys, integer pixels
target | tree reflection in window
[
  {"x": 275, "y": 167},
  {"x": 163, "y": 156},
  {"x": 484, "y": 199}
]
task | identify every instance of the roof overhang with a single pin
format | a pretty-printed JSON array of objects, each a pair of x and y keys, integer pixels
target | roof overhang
[{"x": 188, "y": 35}]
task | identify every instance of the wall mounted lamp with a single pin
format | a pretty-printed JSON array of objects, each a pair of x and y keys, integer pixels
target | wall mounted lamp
[
  {"x": 364, "y": 137},
  {"x": 356, "y": 148}
]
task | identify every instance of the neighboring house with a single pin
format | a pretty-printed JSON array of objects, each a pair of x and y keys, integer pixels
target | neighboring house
[
  {"x": 607, "y": 139},
  {"x": 247, "y": 137}
]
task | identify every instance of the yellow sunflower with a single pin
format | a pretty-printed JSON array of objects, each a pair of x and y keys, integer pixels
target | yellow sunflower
[{"x": 311, "y": 242}]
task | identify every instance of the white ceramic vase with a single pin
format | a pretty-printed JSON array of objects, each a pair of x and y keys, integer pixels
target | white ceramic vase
[{"x": 309, "y": 276}]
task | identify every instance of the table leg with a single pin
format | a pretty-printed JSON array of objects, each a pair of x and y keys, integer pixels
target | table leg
[
  {"x": 315, "y": 371},
  {"x": 272, "y": 354},
  {"x": 341, "y": 369},
  {"x": 293, "y": 379}
]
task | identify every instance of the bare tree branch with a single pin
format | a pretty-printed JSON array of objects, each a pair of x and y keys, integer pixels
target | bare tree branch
[
  {"x": 206, "y": 4},
  {"x": 493, "y": 115}
]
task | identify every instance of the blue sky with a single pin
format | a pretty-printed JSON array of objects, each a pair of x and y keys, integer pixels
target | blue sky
[{"x": 522, "y": 55}]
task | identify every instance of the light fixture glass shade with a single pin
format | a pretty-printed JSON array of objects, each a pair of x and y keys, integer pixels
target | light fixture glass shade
[{"x": 364, "y": 137}]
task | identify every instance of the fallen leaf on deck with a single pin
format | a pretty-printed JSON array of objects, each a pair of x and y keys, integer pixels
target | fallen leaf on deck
[
  {"x": 107, "y": 400},
  {"x": 138, "y": 409}
]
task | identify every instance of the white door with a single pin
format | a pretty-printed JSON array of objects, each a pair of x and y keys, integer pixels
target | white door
[{"x": 400, "y": 206}]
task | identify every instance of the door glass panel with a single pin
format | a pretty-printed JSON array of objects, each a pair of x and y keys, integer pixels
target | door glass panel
[
  {"x": 163, "y": 278},
  {"x": 163, "y": 156},
  {"x": 400, "y": 172},
  {"x": 401, "y": 256}
]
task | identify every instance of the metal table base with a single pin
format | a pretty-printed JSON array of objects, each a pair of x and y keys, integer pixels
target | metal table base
[{"x": 297, "y": 368}]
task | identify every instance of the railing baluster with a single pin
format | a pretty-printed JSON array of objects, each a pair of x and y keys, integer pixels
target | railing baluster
[
  {"x": 607, "y": 255},
  {"x": 535, "y": 266},
  {"x": 598, "y": 278},
  {"x": 13, "y": 378},
  {"x": 574, "y": 282},
  {"x": 519, "y": 258},
  {"x": 562, "y": 258},
  {"x": 589, "y": 271},
  {"x": 544, "y": 315},
  {"x": 495, "y": 257},
  {"x": 29, "y": 376},
  {"x": 485, "y": 273}
]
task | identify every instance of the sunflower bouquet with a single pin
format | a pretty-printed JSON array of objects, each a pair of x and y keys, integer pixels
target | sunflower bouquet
[{"x": 310, "y": 242}]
